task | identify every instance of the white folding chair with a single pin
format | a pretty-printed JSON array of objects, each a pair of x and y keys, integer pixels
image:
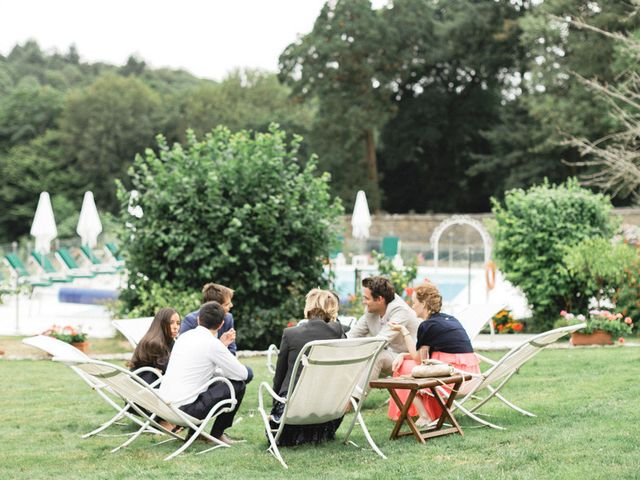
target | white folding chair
[
  {"x": 145, "y": 400},
  {"x": 58, "y": 348},
  {"x": 329, "y": 371},
  {"x": 474, "y": 317},
  {"x": 133, "y": 329},
  {"x": 501, "y": 372},
  {"x": 272, "y": 356}
]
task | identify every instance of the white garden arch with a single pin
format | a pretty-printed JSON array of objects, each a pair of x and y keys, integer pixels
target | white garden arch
[{"x": 460, "y": 220}]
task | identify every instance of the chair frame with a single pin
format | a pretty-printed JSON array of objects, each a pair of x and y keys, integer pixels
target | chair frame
[
  {"x": 58, "y": 348},
  {"x": 132, "y": 336},
  {"x": 303, "y": 357},
  {"x": 502, "y": 372},
  {"x": 152, "y": 412}
]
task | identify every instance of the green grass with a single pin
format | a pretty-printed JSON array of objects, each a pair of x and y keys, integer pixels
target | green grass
[{"x": 587, "y": 427}]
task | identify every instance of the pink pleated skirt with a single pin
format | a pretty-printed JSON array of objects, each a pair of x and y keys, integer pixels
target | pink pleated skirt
[{"x": 462, "y": 361}]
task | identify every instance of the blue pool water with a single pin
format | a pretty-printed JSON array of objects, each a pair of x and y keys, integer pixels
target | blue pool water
[{"x": 450, "y": 282}]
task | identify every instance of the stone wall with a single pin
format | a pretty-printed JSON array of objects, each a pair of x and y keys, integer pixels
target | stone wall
[{"x": 415, "y": 231}]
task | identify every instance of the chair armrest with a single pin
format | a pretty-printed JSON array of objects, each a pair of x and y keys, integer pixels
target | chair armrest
[
  {"x": 204, "y": 387},
  {"x": 154, "y": 370},
  {"x": 265, "y": 386},
  {"x": 482, "y": 358}
]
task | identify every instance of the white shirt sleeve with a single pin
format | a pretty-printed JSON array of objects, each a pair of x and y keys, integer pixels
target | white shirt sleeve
[{"x": 229, "y": 365}]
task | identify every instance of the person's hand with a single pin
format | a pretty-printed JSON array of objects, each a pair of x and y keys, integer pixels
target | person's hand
[
  {"x": 396, "y": 327},
  {"x": 228, "y": 337},
  {"x": 397, "y": 363}
]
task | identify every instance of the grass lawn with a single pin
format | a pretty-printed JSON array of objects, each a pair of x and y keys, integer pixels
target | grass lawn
[{"x": 588, "y": 426}]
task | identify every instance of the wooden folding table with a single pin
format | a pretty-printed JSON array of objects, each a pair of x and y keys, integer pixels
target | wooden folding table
[{"x": 414, "y": 385}]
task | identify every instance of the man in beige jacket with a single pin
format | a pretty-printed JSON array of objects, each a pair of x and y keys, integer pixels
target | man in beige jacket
[{"x": 383, "y": 307}]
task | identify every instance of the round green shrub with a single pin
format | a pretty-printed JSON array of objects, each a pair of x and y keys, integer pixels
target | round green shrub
[
  {"x": 532, "y": 231},
  {"x": 238, "y": 209}
]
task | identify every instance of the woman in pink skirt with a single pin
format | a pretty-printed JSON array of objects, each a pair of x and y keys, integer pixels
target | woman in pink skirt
[{"x": 440, "y": 337}]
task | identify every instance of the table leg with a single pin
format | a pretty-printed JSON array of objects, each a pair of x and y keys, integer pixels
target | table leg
[
  {"x": 446, "y": 412},
  {"x": 404, "y": 417}
]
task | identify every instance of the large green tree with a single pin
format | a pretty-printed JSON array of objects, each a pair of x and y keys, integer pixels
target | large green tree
[
  {"x": 351, "y": 63},
  {"x": 104, "y": 126},
  {"x": 448, "y": 97}
]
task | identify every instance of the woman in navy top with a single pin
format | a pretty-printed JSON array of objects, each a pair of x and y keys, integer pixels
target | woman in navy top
[{"x": 441, "y": 337}]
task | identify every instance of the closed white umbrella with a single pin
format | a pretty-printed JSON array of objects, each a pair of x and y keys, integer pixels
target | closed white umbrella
[
  {"x": 43, "y": 227},
  {"x": 89, "y": 225},
  {"x": 361, "y": 218}
]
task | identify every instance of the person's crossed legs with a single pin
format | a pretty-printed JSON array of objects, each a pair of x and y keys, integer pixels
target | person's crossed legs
[{"x": 207, "y": 399}]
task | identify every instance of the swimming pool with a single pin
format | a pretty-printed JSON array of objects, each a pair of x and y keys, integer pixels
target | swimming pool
[{"x": 451, "y": 282}]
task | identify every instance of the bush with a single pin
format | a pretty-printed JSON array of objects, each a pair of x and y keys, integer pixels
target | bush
[
  {"x": 599, "y": 266},
  {"x": 627, "y": 296},
  {"x": 237, "y": 209},
  {"x": 532, "y": 231}
]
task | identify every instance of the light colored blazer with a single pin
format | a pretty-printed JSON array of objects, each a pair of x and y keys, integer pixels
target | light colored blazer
[{"x": 372, "y": 325}]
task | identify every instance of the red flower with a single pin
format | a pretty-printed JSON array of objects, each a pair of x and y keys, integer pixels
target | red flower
[
  {"x": 409, "y": 291},
  {"x": 621, "y": 340},
  {"x": 517, "y": 327},
  {"x": 292, "y": 324}
]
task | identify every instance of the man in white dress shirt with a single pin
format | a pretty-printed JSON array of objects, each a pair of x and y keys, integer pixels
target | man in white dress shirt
[
  {"x": 194, "y": 359},
  {"x": 383, "y": 307}
]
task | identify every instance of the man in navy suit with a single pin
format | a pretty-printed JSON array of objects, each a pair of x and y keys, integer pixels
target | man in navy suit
[{"x": 213, "y": 292}]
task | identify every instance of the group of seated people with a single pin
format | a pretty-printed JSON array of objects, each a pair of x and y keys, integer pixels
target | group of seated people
[{"x": 191, "y": 352}]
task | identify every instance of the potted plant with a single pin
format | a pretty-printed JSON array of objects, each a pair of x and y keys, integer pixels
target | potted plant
[
  {"x": 68, "y": 334},
  {"x": 601, "y": 327}
]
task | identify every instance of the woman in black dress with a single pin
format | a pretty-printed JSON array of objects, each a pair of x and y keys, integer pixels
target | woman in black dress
[{"x": 321, "y": 311}]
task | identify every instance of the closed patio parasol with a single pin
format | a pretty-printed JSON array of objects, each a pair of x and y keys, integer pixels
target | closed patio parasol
[
  {"x": 43, "y": 227},
  {"x": 89, "y": 225},
  {"x": 361, "y": 218}
]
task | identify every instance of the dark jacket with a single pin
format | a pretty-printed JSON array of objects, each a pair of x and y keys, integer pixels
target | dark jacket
[
  {"x": 293, "y": 339},
  {"x": 190, "y": 321}
]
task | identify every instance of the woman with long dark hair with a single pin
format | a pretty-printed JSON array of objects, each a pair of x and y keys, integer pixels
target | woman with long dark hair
[{"x": 155, "y": 347}]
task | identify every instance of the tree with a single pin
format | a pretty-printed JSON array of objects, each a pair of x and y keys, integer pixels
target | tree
[
  {"x": 104, "y": 126},
  {"x": 26, "y": 112},
  {"x": 450, "y": 94},
  {"x": 26, "y": 170},
  {"x": 562, "y": 55},
  {"x": 245, "y": 99},
  {"x": 239, "y": 209},
  {"x": 349, "y": 62}
]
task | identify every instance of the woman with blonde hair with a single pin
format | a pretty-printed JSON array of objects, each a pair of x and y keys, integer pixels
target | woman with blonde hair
[
  {"x": 321, "y": 312},
  {"x": 440, "y": 337}
]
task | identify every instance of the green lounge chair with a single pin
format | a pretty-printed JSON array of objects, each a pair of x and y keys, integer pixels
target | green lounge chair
[
  {"x": 113, "y": 252},
  {"x": 49, "y": 272},
  {"x": 390, "y": 246},
  {"x": 96, "y": 265},
  {"x": 22, "y": 274},
  {"x": 71, "y": 266}
]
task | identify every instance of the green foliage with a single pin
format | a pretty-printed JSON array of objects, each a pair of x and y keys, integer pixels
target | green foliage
[
  {"x": 153, "y": 296},
  {"x": 599, "y": 266},
  {"x": 104, "y": 126},
  {"x": 627, "y": 296},
  {"x": 238, "y": 209},
  {"x": 532, "y": 230},
  {"x": 401, "y": 277}
]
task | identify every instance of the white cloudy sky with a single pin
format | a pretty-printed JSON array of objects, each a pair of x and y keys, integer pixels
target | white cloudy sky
[{"x": 206, "y": 37}]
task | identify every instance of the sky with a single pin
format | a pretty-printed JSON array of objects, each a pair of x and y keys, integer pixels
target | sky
[{"x": 208, "y": 38}]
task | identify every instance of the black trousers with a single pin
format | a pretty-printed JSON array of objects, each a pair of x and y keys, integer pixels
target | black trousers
[{"x": 207, "y": 399}]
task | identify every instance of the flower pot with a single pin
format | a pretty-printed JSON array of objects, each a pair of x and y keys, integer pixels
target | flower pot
[
  {"x": 82, "y": 346},
  {"x": 598, "y": 337}
]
